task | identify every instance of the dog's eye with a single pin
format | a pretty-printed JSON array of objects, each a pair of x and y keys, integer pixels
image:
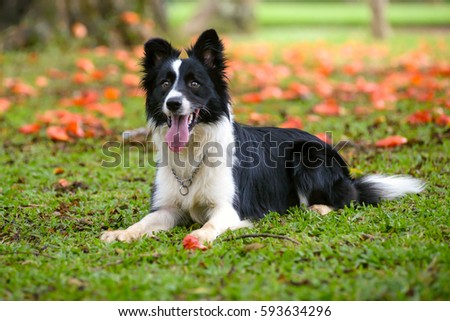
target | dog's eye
[
  {"x": 165, "y": 84},
  {"x": 194, "y": 84}
]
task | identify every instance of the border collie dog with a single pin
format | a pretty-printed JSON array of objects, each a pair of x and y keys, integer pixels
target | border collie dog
[{"x": 221, "y": 174}]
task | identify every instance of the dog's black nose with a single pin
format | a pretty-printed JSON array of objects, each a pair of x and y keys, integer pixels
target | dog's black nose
[{"x": 174, "y": 103}]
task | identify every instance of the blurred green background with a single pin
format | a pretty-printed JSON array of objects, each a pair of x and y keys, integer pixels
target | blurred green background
[{"x": 116, "y": 23}]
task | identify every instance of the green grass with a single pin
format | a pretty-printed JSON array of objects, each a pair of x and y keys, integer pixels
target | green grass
[
  {"x": 276, "y": 14},
  {"x": 49, "y": 238}
]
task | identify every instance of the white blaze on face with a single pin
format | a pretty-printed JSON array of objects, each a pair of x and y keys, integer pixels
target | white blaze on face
[
  {"x": 185, "y": 104},
  {"x": 177, "y": 136}
]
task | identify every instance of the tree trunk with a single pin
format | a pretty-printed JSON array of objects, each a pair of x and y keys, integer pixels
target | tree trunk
[
  {"x": 380, "y": 23},
  {"x": 160, "y": 14},
  {"x": 224, "y": 15}
]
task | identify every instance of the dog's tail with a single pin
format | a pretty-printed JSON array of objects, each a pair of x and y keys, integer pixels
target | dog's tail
[{"x": 372, "y": 189}]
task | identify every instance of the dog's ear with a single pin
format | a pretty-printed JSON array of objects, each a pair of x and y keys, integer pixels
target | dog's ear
[
  {"x": 209, "y": 49},
  {"x": 157, "y": 50}
]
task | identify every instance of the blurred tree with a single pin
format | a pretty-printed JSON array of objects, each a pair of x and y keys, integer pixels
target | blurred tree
[
  {"x": 159, "y": 13},
  {"x": 380, "y": 23},
  {"x": 223, "y": 15},
  {"x": 109, "y": 22}
]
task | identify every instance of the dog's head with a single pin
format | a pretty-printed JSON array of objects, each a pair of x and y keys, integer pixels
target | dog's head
[{"x": 182, "y": 93}]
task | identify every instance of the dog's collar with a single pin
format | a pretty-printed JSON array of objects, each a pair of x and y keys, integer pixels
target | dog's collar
[{"x": 187, "y": 182}]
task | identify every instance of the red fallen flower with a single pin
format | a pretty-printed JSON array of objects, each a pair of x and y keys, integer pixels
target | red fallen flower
[
  {"x": 327, "y": 109},
  {"x": 190, "y": 242},
  {"x": 85, "y": 98},
  {"x": 420, "y": 117},
  {"x": 271, "y": 92},
  {"x": 292, "y": 122},
  {"x": 300, "y": 89},
  {"x": 391, "y": 141},
  {"x": 131, "y": 80},
  {"x": 20, "y": 88},
  {"x": 30, "y": 128},
  {"x": 324, "y": 137},
  {"x": 75, "y": 128},
  {"x": 85, "y": 64},
  {"x": 258, "y": 119},
  {"x": 57, "y": 133},
  {"x": 5, "y": 104},
  {"x": 111, "y": 109},
  {"x": 251, "y": 98},
  {"x": 63, "y": 182},
  {"x": 111, "y": 93},
  {"x": 442, "y": 120}
]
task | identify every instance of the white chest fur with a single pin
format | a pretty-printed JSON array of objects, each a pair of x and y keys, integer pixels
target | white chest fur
[{"x": 211, "y": 146}]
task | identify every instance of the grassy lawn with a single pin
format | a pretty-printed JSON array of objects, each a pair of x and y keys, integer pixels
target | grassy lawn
[
  {"x": 49, "y": 235},
  {"x": 279, "y": 13}
]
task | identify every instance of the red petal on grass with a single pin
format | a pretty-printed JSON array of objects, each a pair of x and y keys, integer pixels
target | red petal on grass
[
  {"x": 111, "y": 110},
  {"x": 442, "y": 120},
  {"x": 251, "y": 98},
  {"x": 131, "y": 64},
  {"x": 324, "y": 137},
  {"x": 41, "y": 81},
  {"x": 75, "y": 128},
  {"x": 292, "y": 122},
  {"x": 121, "y": 54},
  {"x": 391, "y": 141},
  {"x": 324, "y": 89},
  {"x": 313, "y": 118},
  {"x": 131, "y": 80},
  {"x": 80, "y": 78},
  {"x": 271, "y": 92},
  {"x": 111, "y": 93},
  {"x": 299, "y": 89},
  {"x": 85, "y": 64},
  {"x": 57, "y": 133},
  {"x": 420, "y": 117},
  {"x": 190, "y": 242},
  {"x": 20, "y": 88},
  {"x": 63, "y": 182},
  {"x": 85, "y": 98},
  {"x": 98, "y": 75},
  {"x": 30, "y": 128},
  {"x": 296, "y": 90},
  {"x": 353, "y": 68},
  {"x": 5, "y": 104},
  {"x": 258, "y": 119},
  {"x": 327, "y": 109}
]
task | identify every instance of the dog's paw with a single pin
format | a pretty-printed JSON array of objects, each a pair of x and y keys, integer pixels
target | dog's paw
[
  {"x": 204, "y": 236},
  {"x": 321, "y": 209},
  {"x": 120, "y": 235}
]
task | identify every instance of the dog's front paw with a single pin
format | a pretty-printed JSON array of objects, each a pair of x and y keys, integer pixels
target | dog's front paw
[
  {"x": 120, "y": 235},
  {"x": 321, "y": 209},
  {"x": 204, "y": 236}
]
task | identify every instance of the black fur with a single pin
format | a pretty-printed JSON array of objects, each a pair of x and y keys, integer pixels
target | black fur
[{"x": 276, "y": 165}]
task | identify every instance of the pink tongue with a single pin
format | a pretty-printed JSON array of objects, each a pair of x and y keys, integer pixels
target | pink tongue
[{"x": 178, "y": 134}]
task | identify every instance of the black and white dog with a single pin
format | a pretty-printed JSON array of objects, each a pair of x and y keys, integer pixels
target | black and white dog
[{"x": 221, "y": 174}]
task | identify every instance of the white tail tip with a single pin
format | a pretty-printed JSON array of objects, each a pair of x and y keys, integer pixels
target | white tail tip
[{"x": 391, "y": 187}]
